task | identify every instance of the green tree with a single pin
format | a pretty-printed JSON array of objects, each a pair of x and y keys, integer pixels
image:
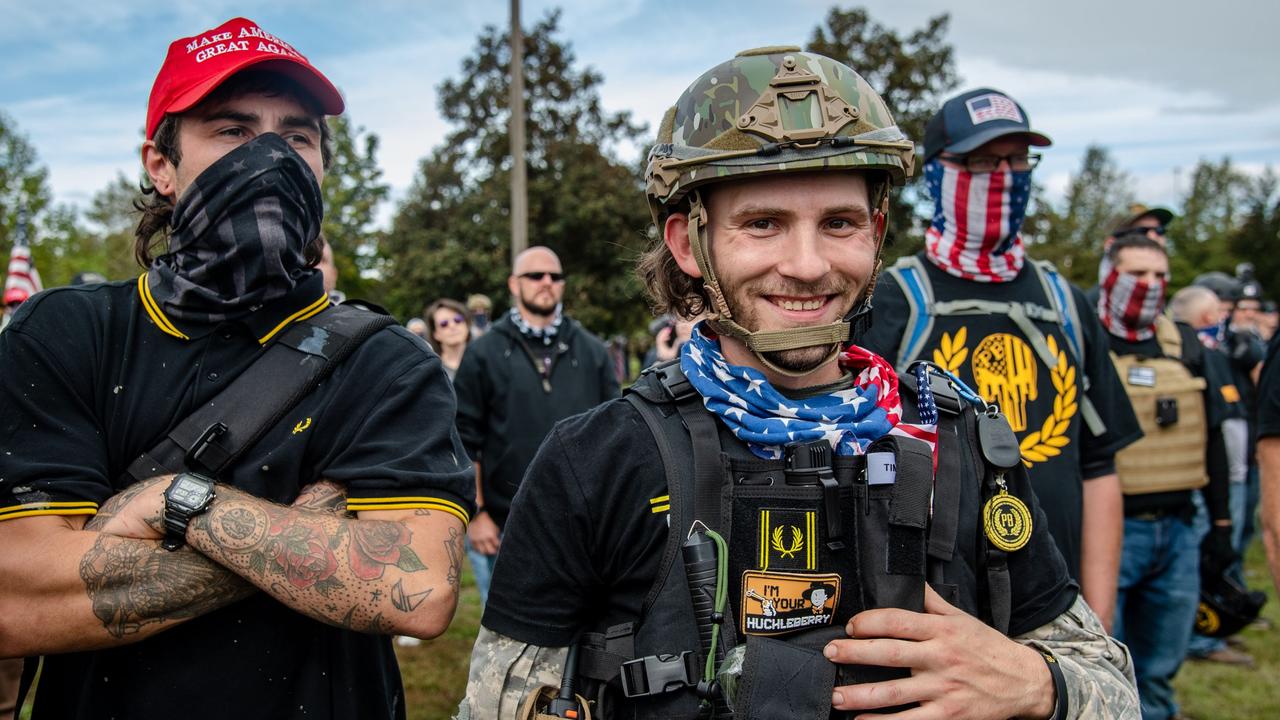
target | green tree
[
  {"x": 1072, "y": 235},
  {"x": 24, "y": 186},
  {"x": 912, "y": 72},
  {"x": 352, "y": 191},
  {"x": 1212, "y": 212},
  {"x": 1259, "y": 235},
  {"x": 451, "y": 235}
]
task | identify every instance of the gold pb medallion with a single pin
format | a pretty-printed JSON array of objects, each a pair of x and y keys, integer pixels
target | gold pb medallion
[{"x": 1007, "y": 522}]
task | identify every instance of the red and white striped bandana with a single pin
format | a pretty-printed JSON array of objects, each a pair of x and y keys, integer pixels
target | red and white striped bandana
[
  {"x": 1128, "y": 307},
  {"x": 976, "y": 221}
]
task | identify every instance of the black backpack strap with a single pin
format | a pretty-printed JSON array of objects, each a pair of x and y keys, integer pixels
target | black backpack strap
[{"x": 210, "y": 439}]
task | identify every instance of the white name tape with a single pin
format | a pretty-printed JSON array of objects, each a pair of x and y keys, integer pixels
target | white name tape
[{"x": 882, "y": 468}]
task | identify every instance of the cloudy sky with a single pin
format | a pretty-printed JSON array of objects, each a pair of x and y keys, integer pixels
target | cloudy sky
[{"x": 1161, "y": 84}]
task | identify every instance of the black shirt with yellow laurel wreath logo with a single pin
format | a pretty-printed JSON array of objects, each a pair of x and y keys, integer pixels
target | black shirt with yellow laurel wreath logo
[
  {"x": 1043, "y": 405},
  {"x": 94, "y": 375}
]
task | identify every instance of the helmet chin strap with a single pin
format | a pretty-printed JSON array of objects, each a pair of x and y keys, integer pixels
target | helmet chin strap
[{"x": 766, "y": 341}]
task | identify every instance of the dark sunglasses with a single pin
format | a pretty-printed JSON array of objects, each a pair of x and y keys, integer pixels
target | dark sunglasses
[
  {"x": 538, "y": 276},
  {"x": 1139, "y": 232},
  {"x": 455, "y": 320}
]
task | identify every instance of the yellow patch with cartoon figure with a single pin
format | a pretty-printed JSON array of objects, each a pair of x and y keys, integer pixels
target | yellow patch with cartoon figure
[{"x": 776, "y": 603}]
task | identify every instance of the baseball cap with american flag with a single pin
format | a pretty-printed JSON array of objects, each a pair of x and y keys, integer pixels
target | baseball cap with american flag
[{"x": 972, "y": 119}]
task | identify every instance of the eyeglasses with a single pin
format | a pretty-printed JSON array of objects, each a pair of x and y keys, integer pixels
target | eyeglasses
[
  {"x": 455, "y": 320},
  {"x": 1139, "y": 231},
  {"x": 1018, "y": 162},
  {"x": 538, "y": 276}
]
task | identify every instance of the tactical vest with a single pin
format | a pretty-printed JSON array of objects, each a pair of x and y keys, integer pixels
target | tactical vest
[
  {"x": 1169, "y": 403},
  {"x": 923, "y": 307},
  {"x": 808, "y": 548}
]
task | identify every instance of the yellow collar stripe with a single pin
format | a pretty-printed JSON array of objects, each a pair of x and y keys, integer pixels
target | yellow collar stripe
[
  {"x": 660, "y": 499},
  {"x": 48, "y": 508},
  {"x": 314, "y": 308},
  {"x": 153, "y": 309},
  {"x": 372, "y": 504}
]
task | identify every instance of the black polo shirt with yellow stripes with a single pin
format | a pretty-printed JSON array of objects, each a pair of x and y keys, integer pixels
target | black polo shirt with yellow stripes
[{"x": 92, "y": 376}]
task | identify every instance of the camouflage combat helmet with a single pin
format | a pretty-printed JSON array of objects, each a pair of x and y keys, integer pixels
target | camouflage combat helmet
[{"x": 769, "y": 111}]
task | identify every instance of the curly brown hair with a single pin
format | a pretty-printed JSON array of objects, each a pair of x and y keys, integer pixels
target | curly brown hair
[{"x": 157, "y": 210}]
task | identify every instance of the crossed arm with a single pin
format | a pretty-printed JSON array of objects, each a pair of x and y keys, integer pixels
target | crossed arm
[{"x": 70, "y": 585}]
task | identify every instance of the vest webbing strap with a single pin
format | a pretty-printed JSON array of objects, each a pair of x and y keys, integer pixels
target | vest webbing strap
[
  {"x": 217, "y": 433},
  {"x": 923, "y": 307}
]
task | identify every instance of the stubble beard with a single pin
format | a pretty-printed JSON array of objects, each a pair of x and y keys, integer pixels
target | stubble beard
[{"x": 797, "y": 360}]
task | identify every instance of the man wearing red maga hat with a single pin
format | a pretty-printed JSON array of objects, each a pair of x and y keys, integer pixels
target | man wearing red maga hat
[{"x": 167, "y": 574}]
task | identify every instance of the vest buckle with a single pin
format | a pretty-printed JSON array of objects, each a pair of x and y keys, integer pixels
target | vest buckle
[{"x": 657, "y": 674}]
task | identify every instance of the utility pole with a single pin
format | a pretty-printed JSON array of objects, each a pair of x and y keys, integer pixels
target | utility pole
[{"x": 519, "y": 198}]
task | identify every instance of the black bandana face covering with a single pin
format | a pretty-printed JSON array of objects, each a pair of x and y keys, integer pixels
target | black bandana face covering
[{"x": 238, "y": 234}]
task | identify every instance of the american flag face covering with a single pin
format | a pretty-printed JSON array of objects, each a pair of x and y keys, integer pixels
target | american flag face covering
[
  {"x": 976, "y": 221},
  {"x": 850, "y": 420},
  {"x": 1128, "y": 307}
]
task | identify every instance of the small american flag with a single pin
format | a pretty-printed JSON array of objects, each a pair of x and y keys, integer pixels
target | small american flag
[
  {"x": 992, "y": 106},
  {"x": 22, "y": 281}
]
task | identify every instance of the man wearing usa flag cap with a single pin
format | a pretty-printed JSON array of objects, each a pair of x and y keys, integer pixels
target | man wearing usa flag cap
[
  {"x": 973, "y": 302},
  {"x": 187, "y": 531},
  {"x": 776, "y": 524}
]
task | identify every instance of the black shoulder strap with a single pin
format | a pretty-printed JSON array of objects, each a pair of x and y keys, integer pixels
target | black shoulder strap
[{"x": 287, "y": 370}]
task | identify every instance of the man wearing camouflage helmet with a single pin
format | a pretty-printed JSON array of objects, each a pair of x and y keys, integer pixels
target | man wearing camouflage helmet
[{"x": 677, "y": 539}]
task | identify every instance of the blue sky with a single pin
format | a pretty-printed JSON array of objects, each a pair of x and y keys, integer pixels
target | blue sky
[{"x": 1161, "y": 84}]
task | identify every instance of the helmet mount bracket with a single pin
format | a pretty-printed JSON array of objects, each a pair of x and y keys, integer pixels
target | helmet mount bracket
[{"x": 797, "y": 107}]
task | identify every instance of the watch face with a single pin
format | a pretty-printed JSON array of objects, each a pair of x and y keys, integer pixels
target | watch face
[{"x": 188, "y": 492}]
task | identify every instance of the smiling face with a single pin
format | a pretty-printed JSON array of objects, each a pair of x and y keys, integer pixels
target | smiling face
[
  {"x": 215, "y": 128},
  {"x": 790, "y": 252}
]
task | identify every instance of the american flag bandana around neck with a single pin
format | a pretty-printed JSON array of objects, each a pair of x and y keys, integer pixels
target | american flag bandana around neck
[
  {"x": 756, "y": 413},
  {"x": 977, "y": 218}
]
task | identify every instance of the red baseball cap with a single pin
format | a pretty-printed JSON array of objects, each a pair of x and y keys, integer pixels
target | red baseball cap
[{"x": 196, "y": 65}]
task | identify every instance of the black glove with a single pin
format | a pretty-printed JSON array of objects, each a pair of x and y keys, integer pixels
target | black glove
[{"x": 1216, "y": 553}]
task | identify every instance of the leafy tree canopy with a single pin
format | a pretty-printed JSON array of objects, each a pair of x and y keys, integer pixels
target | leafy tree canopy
[{"x": 451, "y": 236}]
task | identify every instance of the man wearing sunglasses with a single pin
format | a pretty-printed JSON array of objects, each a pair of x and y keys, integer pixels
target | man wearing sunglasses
[
  {"x": 534, "y": 367},
  {"x": 1011, "y": 327}
]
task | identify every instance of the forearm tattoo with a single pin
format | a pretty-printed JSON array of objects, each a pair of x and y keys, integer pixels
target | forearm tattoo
[
  {"x": 135, "y": 583},
  {"x": 320, "y": 563}
]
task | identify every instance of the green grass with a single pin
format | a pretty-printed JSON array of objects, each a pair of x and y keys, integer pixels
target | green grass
[
  {"x": 1211, "y": 691},
  {"x": 435, "y": 672}
]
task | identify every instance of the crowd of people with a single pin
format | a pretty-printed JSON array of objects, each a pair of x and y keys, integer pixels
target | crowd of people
[{"x": 960, "y": 484}]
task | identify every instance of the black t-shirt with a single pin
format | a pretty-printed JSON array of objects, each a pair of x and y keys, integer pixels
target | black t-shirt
[
  {"x": 1221, "y": 402},
  {"x": 1269, "y": 391},
  {"x": 991, "y": 355},
  {"x": 92, "y": 378},
  {"x": 588, "y": 527}
]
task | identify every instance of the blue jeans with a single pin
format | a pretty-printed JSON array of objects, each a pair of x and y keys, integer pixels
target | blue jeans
[
  {"x": 482, "y": 568},
  {"x": 1156, "y": 606}
]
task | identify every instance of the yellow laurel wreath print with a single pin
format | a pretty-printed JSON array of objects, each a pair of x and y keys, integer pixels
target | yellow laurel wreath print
[
  {"x": 951, "y": 352},
  {"x": 797, "y": 541},
  {"x": 1048, "y": 441}
]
